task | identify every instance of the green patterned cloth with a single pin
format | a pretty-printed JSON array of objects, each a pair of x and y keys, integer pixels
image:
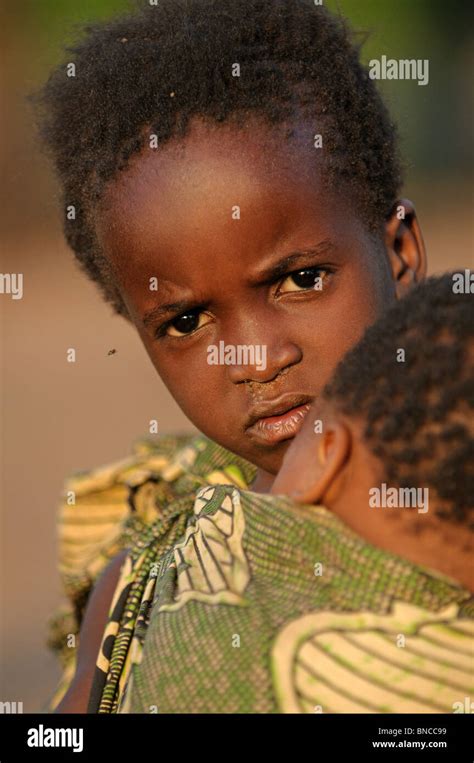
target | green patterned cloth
[
  {"x": 264, "y": 606},
  {"x": 125, "y": 504},
  {"x": 231, "y": 601}
]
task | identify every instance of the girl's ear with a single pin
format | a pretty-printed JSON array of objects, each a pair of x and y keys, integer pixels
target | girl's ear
[{"x": 405, "y": 246}]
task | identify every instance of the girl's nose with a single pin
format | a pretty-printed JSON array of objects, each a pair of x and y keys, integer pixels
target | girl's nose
[{"x": 261, "y": 362}]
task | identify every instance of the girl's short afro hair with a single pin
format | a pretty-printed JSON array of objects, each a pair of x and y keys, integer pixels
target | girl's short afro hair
[{"x": 153, "y": 70}]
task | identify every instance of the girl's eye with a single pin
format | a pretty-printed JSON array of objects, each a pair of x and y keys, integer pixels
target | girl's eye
[
  {"x": 302, "y": 280},
  {"x": 187, "y": 323}
]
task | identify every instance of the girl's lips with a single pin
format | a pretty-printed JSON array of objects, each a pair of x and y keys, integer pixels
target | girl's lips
[{"x": 273, "y": 429}]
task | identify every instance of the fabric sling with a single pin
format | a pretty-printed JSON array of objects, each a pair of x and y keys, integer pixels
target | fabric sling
[{"x": 231, "y": 601}]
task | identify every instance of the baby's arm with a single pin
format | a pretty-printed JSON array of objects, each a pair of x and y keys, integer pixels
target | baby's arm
[{"x": 95, "y": 619}]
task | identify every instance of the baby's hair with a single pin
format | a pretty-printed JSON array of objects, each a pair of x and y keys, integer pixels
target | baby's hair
[
  {"x": 150, "y": 72},
  {"x": 418, "y": 412}
]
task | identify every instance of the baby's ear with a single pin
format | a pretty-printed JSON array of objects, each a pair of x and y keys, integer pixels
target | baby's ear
[
  {"x": 313, "y": 462},
  {"x": 405, "y": 246}
]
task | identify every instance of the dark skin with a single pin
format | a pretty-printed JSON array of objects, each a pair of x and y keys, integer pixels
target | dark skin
[
  {"x": 95, "y": 619},
  {"x": 336, "y": 469},
  {"x": 247, "y": 281},
  {"x": 169, "y": 216}
]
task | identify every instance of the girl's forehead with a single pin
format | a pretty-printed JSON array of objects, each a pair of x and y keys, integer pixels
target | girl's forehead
[
  {"x": 220, "y": 189},
  {"x": 224, "y": 155}
]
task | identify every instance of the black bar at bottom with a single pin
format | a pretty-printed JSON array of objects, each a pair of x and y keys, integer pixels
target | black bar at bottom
[{"x": 111, "y": 738}]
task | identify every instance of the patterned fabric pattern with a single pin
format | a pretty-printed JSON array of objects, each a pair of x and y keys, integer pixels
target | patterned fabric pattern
[
  {"x": 234, "y": 619},
  {"x": 231, "y": 601},
  {"x": 124, "y": 505},
  {"x": 409, "y": 661}
]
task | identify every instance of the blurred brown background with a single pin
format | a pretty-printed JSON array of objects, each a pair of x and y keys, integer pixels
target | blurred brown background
[{"x": 58, "y": 417}]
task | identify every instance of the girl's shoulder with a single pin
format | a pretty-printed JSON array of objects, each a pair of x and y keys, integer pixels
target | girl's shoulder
[
  {"x": 168, "y": 458},
  {"x": 106, "y": 508},
  {"x": 102, "y": 505},
  {"x": 110, "y": 507}
]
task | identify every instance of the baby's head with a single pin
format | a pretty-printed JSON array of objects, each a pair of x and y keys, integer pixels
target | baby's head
[
  {"x": 230, "y": 180},
  {"x": 389, "y": 446}
]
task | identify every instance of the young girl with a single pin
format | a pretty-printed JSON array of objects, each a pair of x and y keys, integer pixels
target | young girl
[{"x": 230, "y": 182}]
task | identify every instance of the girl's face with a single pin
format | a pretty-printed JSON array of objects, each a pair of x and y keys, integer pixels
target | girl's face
[{"x": 252, "y": 256}]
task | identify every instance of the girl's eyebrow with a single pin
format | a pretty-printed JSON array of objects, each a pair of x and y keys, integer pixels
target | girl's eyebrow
[
  {"x": 150, "y": 316},
  {"x": 282, "y": 267}
]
